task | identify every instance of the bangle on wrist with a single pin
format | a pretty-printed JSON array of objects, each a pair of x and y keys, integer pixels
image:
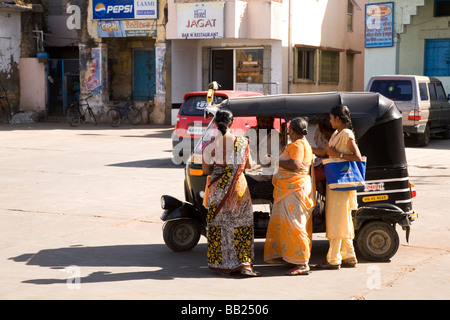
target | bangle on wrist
[{"x": 341, "y": 155}]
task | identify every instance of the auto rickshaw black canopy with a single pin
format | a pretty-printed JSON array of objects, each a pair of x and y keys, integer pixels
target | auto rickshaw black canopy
[
  {"x": 366, "y": 108},
  {"x": 376, "y": 119}
]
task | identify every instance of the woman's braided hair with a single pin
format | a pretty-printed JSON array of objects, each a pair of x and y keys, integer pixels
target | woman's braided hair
[{"x": 223, "y": 119}]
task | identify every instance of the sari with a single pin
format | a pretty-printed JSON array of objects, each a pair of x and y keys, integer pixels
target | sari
[
  {"x": 230, "y": 213},
  {"x": 338, "y": 210},
  {"x": 289, "y": 234},
  {"x": 339, "y": 204}
]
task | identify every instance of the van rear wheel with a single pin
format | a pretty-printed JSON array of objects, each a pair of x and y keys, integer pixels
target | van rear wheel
[
  {"x": 377, "y": 241},
  {"x": 423, "y": 139},
  {"x": 181, "y": 235}
]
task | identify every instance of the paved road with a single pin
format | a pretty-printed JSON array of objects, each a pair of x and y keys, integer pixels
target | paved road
[{"x": 79, "y": 210}]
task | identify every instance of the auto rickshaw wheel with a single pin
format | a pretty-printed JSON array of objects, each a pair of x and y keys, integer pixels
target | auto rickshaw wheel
[
  {"x": 377, "y": 241},
  {"x": 181, "y": 235}
]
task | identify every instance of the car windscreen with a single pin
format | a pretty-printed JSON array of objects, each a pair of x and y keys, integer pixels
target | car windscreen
[
  {"x": 195, "y": 105},
  {"x": 397, "y": 90}
]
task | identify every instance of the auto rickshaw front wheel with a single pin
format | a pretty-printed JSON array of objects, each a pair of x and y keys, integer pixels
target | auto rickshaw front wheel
[
  {"x": 181, "y": 235},
  {"x": 377, "y": 241}
]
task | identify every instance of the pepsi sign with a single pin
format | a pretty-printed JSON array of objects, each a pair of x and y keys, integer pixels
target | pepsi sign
[{"x": 124, "y": 9}]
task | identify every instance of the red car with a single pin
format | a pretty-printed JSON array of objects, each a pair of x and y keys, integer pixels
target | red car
[{"x": 190, "y": 123}]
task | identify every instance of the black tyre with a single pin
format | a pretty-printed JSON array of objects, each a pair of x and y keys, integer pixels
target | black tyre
[
  {"x": 73, "y": 117},
  {"x": 446, "y": 133},
  {"x": 134, "y": 115},
  {"x": 377, "y": 241},
  {"x": 92, "y": 116},
  {"x": 181, "y": 235},
  {"x": 113, "y": 117},
  {"x": 423, "y": 139}
]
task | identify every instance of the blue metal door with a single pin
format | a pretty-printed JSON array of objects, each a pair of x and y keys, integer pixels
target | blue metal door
[
  {"x": 63, "y": 85},
  {"x": 437, "y": 57},
  {"x": 143, "y": 74}
]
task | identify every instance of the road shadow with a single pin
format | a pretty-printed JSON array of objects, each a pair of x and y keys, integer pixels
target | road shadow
[
  {"x": 164, "y": 130},
  {"x": 166, "y": 163},
  {"x": 436, "y": 142},
  {"x": 168, "y": 265}
]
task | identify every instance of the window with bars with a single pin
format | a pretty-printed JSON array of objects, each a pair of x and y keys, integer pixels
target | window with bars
[
  {"x": 329, "y": 67},
  {"x": 304, "y": 64},
  {"x": 349, "y": 16}
]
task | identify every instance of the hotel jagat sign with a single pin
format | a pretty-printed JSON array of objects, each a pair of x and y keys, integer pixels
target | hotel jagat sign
[{"x": 200, "y": 20}]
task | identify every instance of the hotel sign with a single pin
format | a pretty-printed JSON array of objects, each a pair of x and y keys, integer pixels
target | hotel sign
[{"x": 200, "y": 20}]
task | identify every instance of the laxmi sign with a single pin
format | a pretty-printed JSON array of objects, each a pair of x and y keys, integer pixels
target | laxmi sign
[
  {"x": 200, "y": 20},
  {"x": 124, "y": 9}
]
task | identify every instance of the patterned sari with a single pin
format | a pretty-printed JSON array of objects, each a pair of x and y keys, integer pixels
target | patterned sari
[
  {"x": 230, "y": 213},
  {"x": 289, "y": 234}
]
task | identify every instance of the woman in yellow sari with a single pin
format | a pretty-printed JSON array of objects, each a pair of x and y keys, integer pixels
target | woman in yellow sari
[
  {"x": 339, "y": 204},
  {"x": 289, "y": 234}
]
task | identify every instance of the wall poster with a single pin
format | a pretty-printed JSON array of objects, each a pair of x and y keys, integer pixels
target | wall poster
[{"x": 379, "y": 18}]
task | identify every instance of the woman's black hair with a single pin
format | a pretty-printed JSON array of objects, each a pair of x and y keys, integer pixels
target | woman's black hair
[
  {"x": 223, "y": 119},
  {"x": 342, "y": 112},
  {"x": 299, "y": 126}
]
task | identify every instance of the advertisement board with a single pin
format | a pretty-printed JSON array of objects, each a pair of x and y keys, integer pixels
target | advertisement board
[
  {"x": 200, "y": 20},
  {"x": 126, "y": 28},
  {"x": 124, "y": 9},
  {"x": 379, "y": 18}
]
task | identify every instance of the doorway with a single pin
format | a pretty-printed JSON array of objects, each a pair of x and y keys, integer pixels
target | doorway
[
  {"x": 222, "y": 69},
  {"x": 144, "y": 80},
  {"x": 63, "y": 85}
]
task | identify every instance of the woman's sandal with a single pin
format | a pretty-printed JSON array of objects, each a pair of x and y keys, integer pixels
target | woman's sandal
[
  {"x": 250, "y": 272},
  {"x": 349, "y": 263},
  {"x": 325, "y": 265},
  {"x": 298, "y": 270}
]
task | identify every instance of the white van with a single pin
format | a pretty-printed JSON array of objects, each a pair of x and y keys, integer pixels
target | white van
[{"x": 422, "y": 100}]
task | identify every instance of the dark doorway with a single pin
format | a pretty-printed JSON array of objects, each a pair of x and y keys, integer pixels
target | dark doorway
[{"x": 222, "y": 68}]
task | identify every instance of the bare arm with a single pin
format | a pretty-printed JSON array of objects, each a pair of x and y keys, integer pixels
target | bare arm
[
  {"x": 354, "y": 156},
  {"x": 207, "y": 169},
  {"x": 319, "y": 152},
  {"x": 290, "y": 164}
]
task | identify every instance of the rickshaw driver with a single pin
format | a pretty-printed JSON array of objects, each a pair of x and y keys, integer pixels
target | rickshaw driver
[{"x": 265, "y": 145}]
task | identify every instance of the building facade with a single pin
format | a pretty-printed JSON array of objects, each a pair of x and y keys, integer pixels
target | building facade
[
  {"x": 281, "y": 46},
  {"x": 150, "y": 53},
  {"x": 18, "y": 47},
  {"x": 420, "y": 41},
  {"x": 114, "y": 49}
]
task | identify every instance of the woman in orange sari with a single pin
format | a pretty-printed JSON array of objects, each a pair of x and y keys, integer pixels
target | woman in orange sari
[{"x": 289, "y": 234}]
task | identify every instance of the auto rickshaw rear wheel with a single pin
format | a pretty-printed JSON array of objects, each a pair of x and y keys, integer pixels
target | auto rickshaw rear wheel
[
  {"x": 377, "y": 241},
  {"x": 181, "y": 235}
]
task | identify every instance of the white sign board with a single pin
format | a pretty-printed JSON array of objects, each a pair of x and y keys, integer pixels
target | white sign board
[{"x": 200, "y": 20}]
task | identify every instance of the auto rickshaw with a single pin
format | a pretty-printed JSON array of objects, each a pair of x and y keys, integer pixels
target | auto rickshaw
[{"x": 386, "y": 200}]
